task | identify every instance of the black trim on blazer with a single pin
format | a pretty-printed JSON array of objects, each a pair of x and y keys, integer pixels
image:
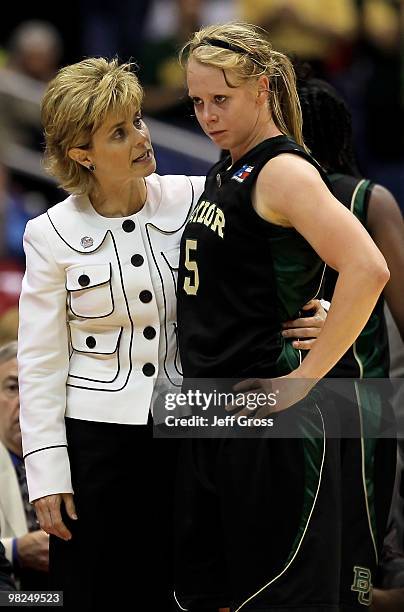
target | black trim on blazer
[
  {"x": 151, "y": 225},
  {"x": 85, "y": 253},
  {"x": 98, "y": 353},
  {"x": 79, "y": 316},
  {"x": 69, "y": 304},
  {"x": 70, "y": 246},
  {"x": 167, "y": 262},
  {"x": 131, "y": 333},
  {"x": 44, "y": 448},
  {"x": 172, "y": 270},
  {"x": 90, "y": 286},
  {"x": 177, "y": 353}
]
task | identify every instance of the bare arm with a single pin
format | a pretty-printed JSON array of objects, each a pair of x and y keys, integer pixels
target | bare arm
[
  {"x": 386, "y": 226},
  {"x": 388, "y": 601},
  {"x": 290, "y": 192}
]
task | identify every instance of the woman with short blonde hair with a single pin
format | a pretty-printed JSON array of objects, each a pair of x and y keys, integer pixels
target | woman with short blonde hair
[
  {"x": 74, "y": 107},
  {"x": 97, "y": 327}
]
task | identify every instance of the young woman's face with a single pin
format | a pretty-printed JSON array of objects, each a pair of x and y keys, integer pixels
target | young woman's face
[
  {"x": 228, "y": 115},
  {"x": 121, "y": 149}
]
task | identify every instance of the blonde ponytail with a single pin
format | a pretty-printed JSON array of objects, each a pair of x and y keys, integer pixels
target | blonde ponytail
[{"x": 284, "y": 101}]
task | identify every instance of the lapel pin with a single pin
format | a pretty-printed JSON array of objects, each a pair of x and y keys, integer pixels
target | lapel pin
[
  {"x": 86, "y": 242},
  {"x": 218, "y": 180}
]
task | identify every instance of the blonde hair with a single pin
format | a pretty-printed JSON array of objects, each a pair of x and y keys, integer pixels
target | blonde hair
[
  {"x": 244, "y": 50},
  {"x": 75, "y": 104}
]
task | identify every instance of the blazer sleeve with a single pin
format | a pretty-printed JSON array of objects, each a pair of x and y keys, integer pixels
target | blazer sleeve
[{"x": 43, "y": 362}]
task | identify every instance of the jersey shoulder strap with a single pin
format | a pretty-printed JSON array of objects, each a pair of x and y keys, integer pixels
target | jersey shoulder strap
[
  {"x": 290, "y": 146},
  {"x": 354, "y": 193}
]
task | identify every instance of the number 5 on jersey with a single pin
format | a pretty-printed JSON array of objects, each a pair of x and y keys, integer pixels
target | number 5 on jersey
[{"x": 191, "y": 283}]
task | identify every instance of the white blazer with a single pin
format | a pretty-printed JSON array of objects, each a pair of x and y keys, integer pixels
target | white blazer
[
  {"x": 13, "y": 522},
  {"x": 97, "y": 319}
]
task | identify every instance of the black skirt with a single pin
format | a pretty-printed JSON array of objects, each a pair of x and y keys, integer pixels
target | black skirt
[{"x": 120, "y": 552}]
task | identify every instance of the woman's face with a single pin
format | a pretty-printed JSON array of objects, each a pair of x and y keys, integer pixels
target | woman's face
[
  {"x": 121, "y": 149},
  {"x": 228, "y": 115}
]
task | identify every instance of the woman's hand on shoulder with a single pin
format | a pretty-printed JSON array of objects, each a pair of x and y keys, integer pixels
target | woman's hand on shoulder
[{"x": 48, "y": 511}]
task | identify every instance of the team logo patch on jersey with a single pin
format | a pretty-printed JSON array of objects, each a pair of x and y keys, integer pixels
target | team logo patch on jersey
[
  {"x": 243, "y": 173},
  {"x": 362, "y": 585}
]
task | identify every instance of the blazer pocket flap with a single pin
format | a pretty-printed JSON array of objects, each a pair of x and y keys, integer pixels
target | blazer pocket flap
[
  {"x": 101, "y": 342},
  {"x": 81, "y": 277}
]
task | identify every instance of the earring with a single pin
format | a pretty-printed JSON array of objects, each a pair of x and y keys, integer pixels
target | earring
[{"x": 91, "y": 167}]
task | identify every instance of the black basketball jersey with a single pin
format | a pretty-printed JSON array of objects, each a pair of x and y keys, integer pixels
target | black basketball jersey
[
  {"x": 369, "y": 356},
  {"x": 240, "y": 276}
]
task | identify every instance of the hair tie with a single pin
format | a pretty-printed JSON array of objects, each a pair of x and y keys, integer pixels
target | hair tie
[{"x": 223, "y": 44}]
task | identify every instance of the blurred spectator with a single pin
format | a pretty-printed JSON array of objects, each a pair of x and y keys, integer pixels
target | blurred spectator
[
  {"x": 169, "y": 26},
  {"x": 327, "y": 131},
  {"x": 317, "y": 31},
  {"x": 20, "y": 121},
  {"x": 382, "y": 61},
  {"x": 11, "y": 273},
  {"x": 3, "y": 196},
  {"x": 21, "y": 197},
  {"x": 33, "y": 55},
  {"x": 380, "y": 22},
  {"x": 27, "y": 547},
  {"x": 35, "y": 49},
  {"x": 113, "y": 28},
  {"x": 163, "y": 19},
  {"x": 160, "y": 72}
]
